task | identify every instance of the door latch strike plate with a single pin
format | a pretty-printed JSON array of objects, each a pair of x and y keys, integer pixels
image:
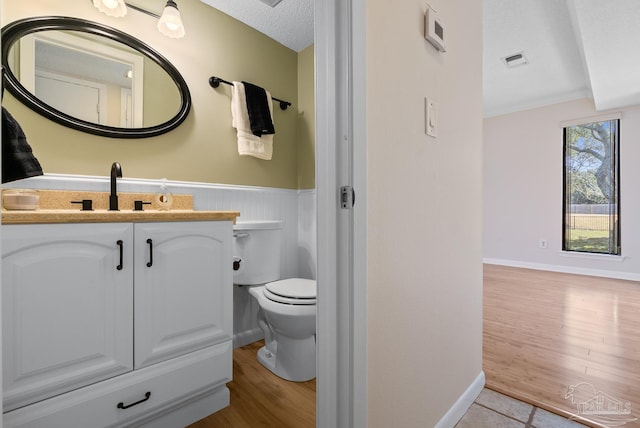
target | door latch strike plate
[{"x": 347, "y": 197}]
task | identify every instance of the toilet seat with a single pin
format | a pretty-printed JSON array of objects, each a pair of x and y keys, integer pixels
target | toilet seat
[{"x": 292, "y": 291}]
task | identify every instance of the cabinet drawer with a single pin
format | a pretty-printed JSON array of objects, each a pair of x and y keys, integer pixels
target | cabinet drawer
[{"x": 97, "y": 405}]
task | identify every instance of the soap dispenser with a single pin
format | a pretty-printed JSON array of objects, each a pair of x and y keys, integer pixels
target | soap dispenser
[{"x": 164, "y": 199}]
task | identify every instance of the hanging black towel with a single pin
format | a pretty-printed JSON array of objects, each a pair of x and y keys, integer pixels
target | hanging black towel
[
  {"x": 18, "y": 161},
  {"x": 258, "y": 109}
]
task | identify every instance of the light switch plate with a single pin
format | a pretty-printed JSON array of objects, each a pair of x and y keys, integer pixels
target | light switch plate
[{"x": 430, "y": 117}]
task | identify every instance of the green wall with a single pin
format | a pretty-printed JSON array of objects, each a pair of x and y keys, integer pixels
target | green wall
[
  {"x": 203, "y": 148},
  {"x": 306, "y": 121}
]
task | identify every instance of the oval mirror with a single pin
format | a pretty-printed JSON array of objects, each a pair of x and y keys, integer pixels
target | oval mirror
[{"x": 92, "y": 77}]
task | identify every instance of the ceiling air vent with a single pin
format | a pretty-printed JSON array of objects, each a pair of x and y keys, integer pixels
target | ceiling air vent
[
  {"x": 272, "y": 3},
  {"x": 515, "y": 60}
]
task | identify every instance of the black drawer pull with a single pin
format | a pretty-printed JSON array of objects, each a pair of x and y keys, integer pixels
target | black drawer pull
[
  {"x": 119, "y": 267},
  {"x": 150, "y": 263},
  {"x": 146, "y": 397}
]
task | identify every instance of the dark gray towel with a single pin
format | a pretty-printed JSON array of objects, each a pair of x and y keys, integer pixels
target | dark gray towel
[
  {"x": 258, "y": 109},
  {"x": 18, "y": 161}
]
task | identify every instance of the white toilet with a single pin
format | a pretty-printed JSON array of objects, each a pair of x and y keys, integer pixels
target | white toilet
[{"x": 287, "y": 313}]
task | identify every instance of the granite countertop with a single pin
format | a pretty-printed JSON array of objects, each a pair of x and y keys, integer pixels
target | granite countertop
[
  {"x": 55, "y": 206},
  {"x": 105, "y": 216}
]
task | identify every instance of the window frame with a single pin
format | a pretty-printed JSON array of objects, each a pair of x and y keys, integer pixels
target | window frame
[{"x": 614, "y": 250}]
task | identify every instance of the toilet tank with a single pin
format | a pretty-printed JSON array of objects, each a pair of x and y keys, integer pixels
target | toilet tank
[{"x": 258, "y": 246}]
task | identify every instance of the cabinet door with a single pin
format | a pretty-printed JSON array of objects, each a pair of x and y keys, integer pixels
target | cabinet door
[
  {"x": 183, "y": 288},
  {"x": 67, "y": 311}
]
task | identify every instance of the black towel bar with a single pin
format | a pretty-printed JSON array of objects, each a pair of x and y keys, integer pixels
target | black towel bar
[{"x": 216, "y": 81}]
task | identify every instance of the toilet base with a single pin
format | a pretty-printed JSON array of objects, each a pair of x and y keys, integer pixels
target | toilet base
[
  {"x": 300, "y": 366},
  {"x": 267, "y": 358}
]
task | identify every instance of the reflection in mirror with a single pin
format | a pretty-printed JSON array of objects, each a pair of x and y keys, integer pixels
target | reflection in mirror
[
  {"x": 107, "y": 84},
  {"x": 84, "y": 78}
]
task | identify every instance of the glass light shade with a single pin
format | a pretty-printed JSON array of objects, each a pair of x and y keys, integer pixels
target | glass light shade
[
  {"x": 170, "y": 23},
  {"x": 115, "y": 8}
]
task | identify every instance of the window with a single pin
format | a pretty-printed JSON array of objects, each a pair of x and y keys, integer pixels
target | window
[{"x": 591, "y": 213}]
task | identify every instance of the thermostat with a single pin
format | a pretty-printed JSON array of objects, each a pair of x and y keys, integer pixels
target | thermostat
[{"x": 434, "y": 29}]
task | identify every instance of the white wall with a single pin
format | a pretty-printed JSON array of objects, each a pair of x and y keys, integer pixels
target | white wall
[
  {"x": 424, "y": 243},
  {"x": 523, "y": 191}
]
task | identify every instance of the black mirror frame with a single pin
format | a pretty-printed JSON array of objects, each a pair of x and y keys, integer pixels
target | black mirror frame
[{"x": 12, "y": 32}]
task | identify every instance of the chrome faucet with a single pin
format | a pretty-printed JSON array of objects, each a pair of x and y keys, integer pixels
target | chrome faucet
[{"x": 116, "y": 171}]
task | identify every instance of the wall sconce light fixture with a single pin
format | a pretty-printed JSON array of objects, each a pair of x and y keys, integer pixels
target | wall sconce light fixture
[{"x": 169, "y": 24}]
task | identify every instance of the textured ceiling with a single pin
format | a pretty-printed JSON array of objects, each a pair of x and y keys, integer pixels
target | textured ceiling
[
  {"x": 576, "y": 48},
  {"x": 290, "y": 22},
  {"x": 542, "y": 29}
]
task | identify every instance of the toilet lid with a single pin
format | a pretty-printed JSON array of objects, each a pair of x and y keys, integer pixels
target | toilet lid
[{"x": 292, "y": 291}]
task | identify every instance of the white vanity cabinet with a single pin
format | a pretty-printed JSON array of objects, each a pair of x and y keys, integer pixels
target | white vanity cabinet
[{"x": 116, "y": 324}]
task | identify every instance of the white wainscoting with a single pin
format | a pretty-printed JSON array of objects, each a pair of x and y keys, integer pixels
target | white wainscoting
[
  {"x": 307, "y": 232},
  {"x": 297, "y": 209}
]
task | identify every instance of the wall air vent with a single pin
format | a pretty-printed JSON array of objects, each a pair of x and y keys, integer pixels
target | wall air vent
[{"x": 515, "y": 60}]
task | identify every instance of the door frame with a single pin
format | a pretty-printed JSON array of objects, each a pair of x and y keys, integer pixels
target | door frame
[{"x": 341, "y": 161}]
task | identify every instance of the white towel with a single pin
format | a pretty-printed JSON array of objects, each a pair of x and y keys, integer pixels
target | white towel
[{"x": 249, "y": 144}]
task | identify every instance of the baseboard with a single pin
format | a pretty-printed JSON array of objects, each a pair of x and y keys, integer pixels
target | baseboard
[
  {"x": 247, "y": 337},
  {"x": 457, "y": 411},
  {"x": 630, "y": 276}
]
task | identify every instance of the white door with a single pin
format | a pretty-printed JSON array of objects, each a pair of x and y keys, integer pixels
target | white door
[
  {"x": 126, "y": 107},
  {"x": 341, "y": 161},
  {"x": 183, "y": 288},
  {"x": 67, "y": 309},
  {"x": 78, "y": 98}
]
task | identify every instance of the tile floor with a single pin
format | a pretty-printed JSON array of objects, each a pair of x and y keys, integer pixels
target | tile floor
[{"x": 494, "y": 410}]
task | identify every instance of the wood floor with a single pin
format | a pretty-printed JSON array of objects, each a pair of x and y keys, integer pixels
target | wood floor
[
  {"x": 545, "y": 332},
  {"x": 261, "y": 399}
]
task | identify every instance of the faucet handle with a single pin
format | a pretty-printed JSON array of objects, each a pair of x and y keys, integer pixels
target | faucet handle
[
  {"x": 138, "y": 205},
  {"x": 87, "y": 204}
]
